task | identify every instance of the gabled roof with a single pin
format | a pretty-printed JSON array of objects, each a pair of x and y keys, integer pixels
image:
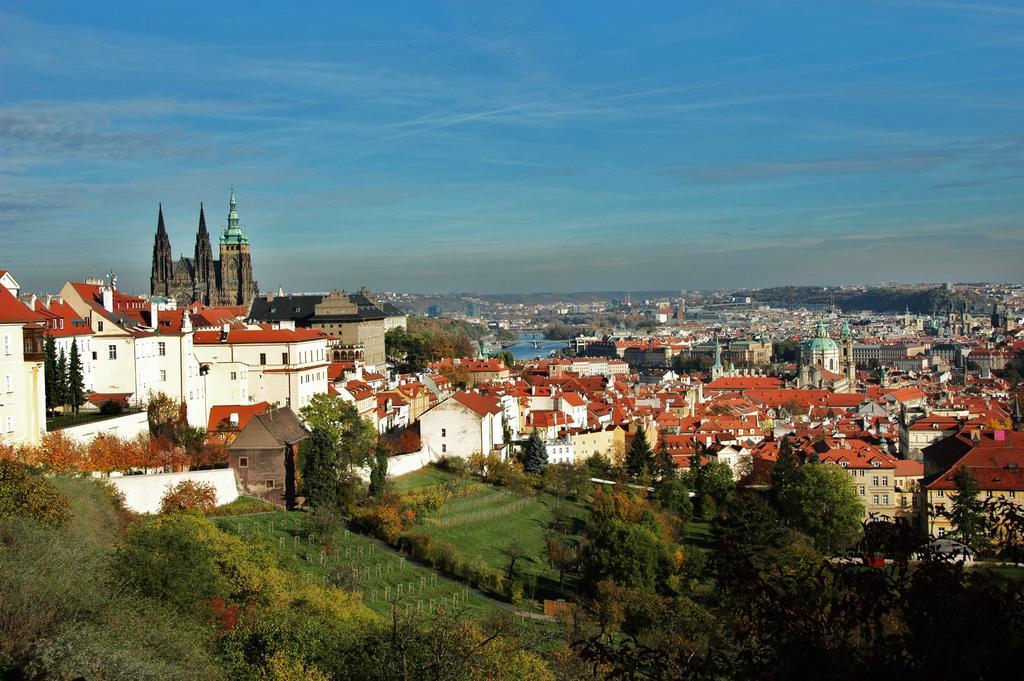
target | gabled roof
[
  {"x": 13, "y": 311},
  {"x": 220, "y": 416},
  {"x": 483, "y": 405}
]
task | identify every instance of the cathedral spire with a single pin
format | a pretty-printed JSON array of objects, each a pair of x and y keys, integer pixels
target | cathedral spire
[
  {"x": 202, "y": 220},
  {"x": 160, "y": 229}
]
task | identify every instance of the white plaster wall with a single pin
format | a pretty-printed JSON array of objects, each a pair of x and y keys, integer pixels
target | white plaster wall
[
  {"x": 127, "y": 427},
  {"x": 142, "y": 493}
]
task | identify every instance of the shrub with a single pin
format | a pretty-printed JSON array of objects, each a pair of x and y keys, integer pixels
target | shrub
[
  {"x": 189, "y": 495},
  {"x": 111, "y": 408},
  {"x": 30, "y": 496},
  {"x": 383, "y": 522},
  {"x": 453, "y": 464}
]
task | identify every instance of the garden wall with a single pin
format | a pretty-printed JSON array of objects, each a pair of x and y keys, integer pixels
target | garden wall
[
  {"x": 127, "y": 427},
  {"x": 142, "y": 493}
]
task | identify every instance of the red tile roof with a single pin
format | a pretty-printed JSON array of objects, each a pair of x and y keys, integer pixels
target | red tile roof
[
  {"x": 481, "y": 404},
  {"x": 244, "y": 336},
  {"x": 220, "y": 415},
  {"x": 13, "y": 311}
]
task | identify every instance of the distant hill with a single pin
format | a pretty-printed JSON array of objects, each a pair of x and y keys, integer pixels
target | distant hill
[{"x": 921, "y": 301}]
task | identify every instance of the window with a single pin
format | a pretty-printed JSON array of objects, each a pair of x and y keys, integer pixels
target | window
[
  {"x": 161, "y": 348},
  {"x": 444, "y": 448},
  {"x": 163, "y": 375},
  {"x": 874, "y": 480},
  {"x": 885, "y": 499},
  {"x": 10, "y": 424},
  {"x": 7, "y": 344},
  {"x": 9, "y": 383},
  {"x": 99, "y": 326},
  {"x": 284, "y": 358},
  {"x": 885, "y": 481},
  {"x": 234, "y": 375},
  {"x": 444, "y": 432},
  {"x": 862, "y": 490},
  {"x": 874, "y": 498},
  {"x": 111, "y": 352},
  {"x": 243, "y": 462},
  {"x": 1013, "y": 494},
  {"x": 270, "y": 484},
  {"x": 94, "y": 355},
  {"x": 263, "y": 358},
  {"x": 940, "y": 493}
]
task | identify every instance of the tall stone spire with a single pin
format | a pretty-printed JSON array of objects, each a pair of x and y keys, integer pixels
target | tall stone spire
[
  {"x": 162, "y": 270},
  {"x": 205, "y": 277}
]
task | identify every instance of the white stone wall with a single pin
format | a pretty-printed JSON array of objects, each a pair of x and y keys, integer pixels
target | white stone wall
[
  {"x": 125, "y": 427},
  {"x": 142, "y": 493}
]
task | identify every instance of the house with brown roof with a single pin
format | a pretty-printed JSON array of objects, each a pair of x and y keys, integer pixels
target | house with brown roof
[{"x": 264, "y": 452}]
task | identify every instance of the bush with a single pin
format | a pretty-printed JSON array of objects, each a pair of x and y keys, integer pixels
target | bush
[
  {"x": 189, "y": 495},
  {"x": 453, "y": 464},
  {"x": 111, "y": 408},
  {"x": 384, "y": 522},
  {"x": 30, "y": 496}
]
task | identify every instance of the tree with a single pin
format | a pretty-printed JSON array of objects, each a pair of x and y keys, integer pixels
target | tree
[
  {"x": 189, "y": 495},
  {"x": 61, "y": 394},
  {"x": 76, "y": 381},
  {"x": 31, "y": 496},
  {"x": 967, "y": 511},
  {"x": 52, "y": 377},
  {"x": 320, "y": 462},
  {"x": 638, "y": 458},
  {"x": 516, "y": 552},
  {"x": 664, "y": 464},
  {"x": 535, "y": 454},
  {"x": 784, "y": 473},
  {"x": 713, "y": 484},
  {"x": 379, "y": 471},
  {"x": 353, "y": 436},
  {"x": 823, "y": 504}
]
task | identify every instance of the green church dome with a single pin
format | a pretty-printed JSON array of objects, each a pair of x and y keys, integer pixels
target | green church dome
[{"x": 821, "y": 341}]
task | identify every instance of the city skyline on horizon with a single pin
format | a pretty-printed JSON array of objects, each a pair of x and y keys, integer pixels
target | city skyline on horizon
[{"x": 534, "y": 149}]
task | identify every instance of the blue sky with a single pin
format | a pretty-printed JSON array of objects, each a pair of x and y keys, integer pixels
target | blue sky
[{"x": 463, "y": 146}]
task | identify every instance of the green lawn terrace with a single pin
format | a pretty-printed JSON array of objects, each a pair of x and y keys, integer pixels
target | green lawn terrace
[
  {"x": 491, "y": 522},
  {"x": 383, "y": 576},
  {"x": 424, "y": 477}
]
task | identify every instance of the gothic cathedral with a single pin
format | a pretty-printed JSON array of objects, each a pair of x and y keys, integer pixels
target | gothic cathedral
[{"x": 202, "y": 279}]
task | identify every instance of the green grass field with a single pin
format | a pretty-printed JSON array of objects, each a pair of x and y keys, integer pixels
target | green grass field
[
  {"x": 383, "y": 576},
  {"x": 484, "y": 524},
  {"x": 425, "y": 477}
]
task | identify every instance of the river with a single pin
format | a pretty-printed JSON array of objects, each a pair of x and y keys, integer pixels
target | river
[{"x": 524, "y": 348}]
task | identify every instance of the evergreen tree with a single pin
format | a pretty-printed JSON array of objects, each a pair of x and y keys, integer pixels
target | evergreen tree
[
  {"x": 664, "y": 465},
  {"x": 320, "y": 462},
  {"x": 639, "y": 456},
  {"x": 535, "y": 454},
  {"x": 61, "y": 377},
  {"x": 967, "y": 511},
  {"x": 52, "y": 380},
  {"x": 784, "y": 473},
  {"x": 76, "y": 381},
  {"x": 379, "y": 471}
]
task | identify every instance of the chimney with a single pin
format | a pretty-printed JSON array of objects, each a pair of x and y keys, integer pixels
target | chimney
[
  {"x": 233, "y": 419},
  {"x": 49, "y": 299},
  {"x": 154, "y": 314},
  {"x": 224, "y": 331},
  {"x": 270, "y": 297},
  {"x": 108, "y": 298}
]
